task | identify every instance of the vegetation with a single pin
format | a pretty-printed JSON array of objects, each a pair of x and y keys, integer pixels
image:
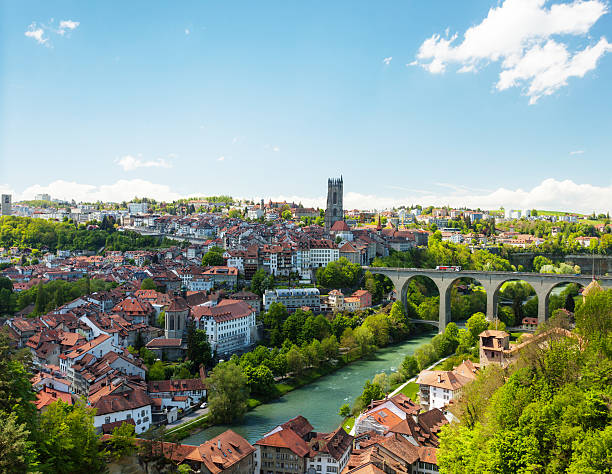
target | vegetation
[
  {"x": 26, "y": 232},
  {"x": 549, "y": 412},
  {"x": 48, "y": 296},
  {"x": 213, "y": 258},
  {"x": 61, "y": 440},
  {"x": 229, "y": 392},
  {"x": 340, "y": 274}
]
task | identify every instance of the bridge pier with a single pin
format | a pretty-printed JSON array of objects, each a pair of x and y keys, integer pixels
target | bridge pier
[
  {"x": 542, "y": 307},
  {"x": 445, "y": 307},
  {"x": 492, "y": 300}
]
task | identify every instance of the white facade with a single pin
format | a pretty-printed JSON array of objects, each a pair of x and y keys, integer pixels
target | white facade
[
  {"x": 293, "y": 298},
  {"x": 200, "y": 284},
  {"x": 324, "y": 463},
  {"x": 141, "y": 416},
  {"x": 227, "y": 336},
  {"x": 138, "y": 207}
]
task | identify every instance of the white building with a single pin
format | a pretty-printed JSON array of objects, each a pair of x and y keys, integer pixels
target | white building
[
  {"x": 437, "y": 387},
  {"x": 138, "y": 207},
  {"x": 293, "y": 298},
  {"x": 230, "y": 325},
  {"x": 131, "y": 406}
]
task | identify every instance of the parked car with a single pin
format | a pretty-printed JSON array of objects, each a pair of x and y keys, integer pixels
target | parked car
[{"x": 204, "y": 405}]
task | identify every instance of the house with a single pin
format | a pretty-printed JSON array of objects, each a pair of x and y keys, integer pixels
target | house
[
  {"x": 293, "y": 298},
  {"x": 130, "y": 405},
  {"x": 494, "y": 347},
  {"x": 294, "y": 447},
  {"x": 529, "y": 324},
  {"x": 194, "y": 390},
  {"x": 438, "y": 387},
  {"x": 225, "y": 453},
  {"x": 227, "y": 276},
  {"x": 365, "y": 298},
  {"x": 230, "y": 325}
]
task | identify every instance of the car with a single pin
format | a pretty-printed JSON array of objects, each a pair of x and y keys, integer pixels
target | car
[{"x": 204, "y": 405}]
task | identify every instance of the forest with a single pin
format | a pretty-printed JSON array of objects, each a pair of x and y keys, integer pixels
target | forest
[
  {"x": 549, "y": 412},
  {"x": 25, "y": 232}
]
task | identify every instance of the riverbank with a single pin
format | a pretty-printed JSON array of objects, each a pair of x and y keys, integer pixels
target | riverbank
[
  {"x": 310, "y": 375},
  {"x": 320, "y": 398}
]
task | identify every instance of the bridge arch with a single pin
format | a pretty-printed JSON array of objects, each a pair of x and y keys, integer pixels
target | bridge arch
[
  {"x": 467, "y": 280},
  {"x": 429, "y": 283},
  {"x": 549, "y": 294}
]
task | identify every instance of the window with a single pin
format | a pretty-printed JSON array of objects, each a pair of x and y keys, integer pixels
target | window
[{"x": 107, "y": 419}]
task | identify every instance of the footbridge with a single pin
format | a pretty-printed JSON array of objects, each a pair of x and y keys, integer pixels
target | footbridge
[{"x": 542, "y": 283}]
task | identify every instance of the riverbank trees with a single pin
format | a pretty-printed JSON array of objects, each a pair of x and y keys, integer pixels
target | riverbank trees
[{"x": 549, "y": 412}]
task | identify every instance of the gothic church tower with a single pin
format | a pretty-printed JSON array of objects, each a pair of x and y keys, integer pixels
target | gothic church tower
[{"x": 334, "y": 211}]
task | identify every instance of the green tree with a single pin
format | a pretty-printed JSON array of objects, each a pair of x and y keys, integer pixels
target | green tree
[
  {"x": 148, "y": 284},
  {"x": 156, "y": 371},
  {"x": 213, "y": 258},
  {"x": 260, "y": 380},
  {"x": 345, "y": 411},
  {"x": 409, "y": 367},
  {"x": 228, "y": 393},
  {"x": 198, "y": 347},
  {"x": 17, "y": 453},
  {"x": 122, "y": 441},
  {"x": 258, "y": 282},
  {"x": 382, "y": 380},
  {"x": 68, "y": 440},
  {"x": 296, "y": 361},
  {"x": 476, "y": 324}
]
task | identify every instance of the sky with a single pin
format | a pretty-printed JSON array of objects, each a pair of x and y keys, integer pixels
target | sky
[{"x": 472, "y": 103}]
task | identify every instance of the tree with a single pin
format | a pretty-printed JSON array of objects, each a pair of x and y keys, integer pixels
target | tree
[
  {"x": 17, "y": 454},
  {"x": 122, "y": 441},
  {"x": 198, "y": 347},
  {"x": 228, "y": 393},
  {"x": 296, "y": 362},
  {"x": 330, "y": 347},
  {"x": 148, "y": 284},
  {"x": 371, "y": 391},
  {"x": 425, "y": 355},
  {"x": 161, "y": 319},
  {"x": 287, "y": 214},
  {"x": 257, "y": 282},
  {"x": 213, "y": 258},
  {"x": 156, "y": 371},
  {"x": 260, "y": 380},
  {"x": 409, "y": 367},
  {"x": 339, "y": 274},
  {"x": 68, "y": 440},
  {"x": 476, "y": 324},
  {"x": 345, "y": 411},
  {"x": 379, "y": 325},
  {"x": 364, "y": 339},
  {"x": 382, "y": 380}
]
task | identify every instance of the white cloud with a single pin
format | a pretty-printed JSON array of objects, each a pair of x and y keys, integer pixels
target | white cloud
[
  {"x": 519, "y": 34},
  {"x": 577, "y": 152},
  {"x": 122, "y": 190},
  {"x": 37, "y": 34},
  {"x": 67, "y": 25},
  {"x": 275, "y": 149},
  {"x": 221, "y": 158},
  {"x": 187, "y": 31},
  {"x": 550, "y": 194},
  {"x": 387, "y": 61},
  {"x": 130, "y": 163}
]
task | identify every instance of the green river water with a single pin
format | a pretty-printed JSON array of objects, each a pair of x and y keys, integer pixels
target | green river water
[{"x": 319, "y": 401}]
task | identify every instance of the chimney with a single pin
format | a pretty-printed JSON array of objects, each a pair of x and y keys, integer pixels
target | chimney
[
  {"x": 219, "y": 444},
  {"x": 439, "y": 378}
]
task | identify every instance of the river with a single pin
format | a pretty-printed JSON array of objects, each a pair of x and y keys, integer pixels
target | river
[{"x": 319, "y": 401}]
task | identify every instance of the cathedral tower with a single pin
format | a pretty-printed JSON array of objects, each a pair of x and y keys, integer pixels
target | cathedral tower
[{"x": 334, "y": 211}]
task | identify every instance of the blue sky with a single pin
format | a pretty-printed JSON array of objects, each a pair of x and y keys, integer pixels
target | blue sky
[{"x": 111, "y": 99}]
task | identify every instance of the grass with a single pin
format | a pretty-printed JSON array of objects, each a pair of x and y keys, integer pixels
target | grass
[
  {"x": 192, "y": 427},
  {"x": 348, "y": 424},
  {"x": 411, "y": 390}
]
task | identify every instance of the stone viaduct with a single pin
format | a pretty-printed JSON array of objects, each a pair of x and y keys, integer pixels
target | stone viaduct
[{"x": 542, "y": 283}]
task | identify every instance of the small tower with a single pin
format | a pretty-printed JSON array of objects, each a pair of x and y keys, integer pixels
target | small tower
[{"x": 334, "y": 211}]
